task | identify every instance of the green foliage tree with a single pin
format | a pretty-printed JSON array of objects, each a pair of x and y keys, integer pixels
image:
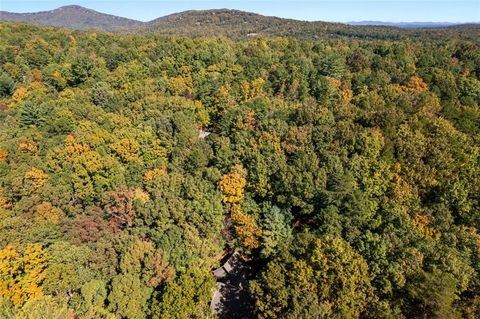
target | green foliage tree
[
  {"x": 45, "y": 307},
  {"x": 435, "y": 293},
  {"x": 31, "y": 114},
  {"x": 128, "y": 297},
  {"x": 276, "y": 230},
  {"x": 103, "y": 96},
  {"x": 7, "y": 85},
  {"x": 325, "y": 273},
  {"x": 187, "y": 297}
]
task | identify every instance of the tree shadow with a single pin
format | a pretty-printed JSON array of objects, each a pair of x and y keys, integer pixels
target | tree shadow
[{"x": 234, "y": 300}]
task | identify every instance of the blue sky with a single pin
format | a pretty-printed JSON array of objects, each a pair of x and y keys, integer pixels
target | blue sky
[{"x": 326, "y": 10}]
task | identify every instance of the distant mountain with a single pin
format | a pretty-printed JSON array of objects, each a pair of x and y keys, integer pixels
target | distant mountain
[
  {"x": 240, "y": 24},
  {"x": 230, "y": 23},
  {"x": 405, "y": 25},
  {"x": 74, "y": 17}
]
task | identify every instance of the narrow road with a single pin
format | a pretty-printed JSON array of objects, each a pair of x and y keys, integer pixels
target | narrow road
[{"x": 232, "y": 299}]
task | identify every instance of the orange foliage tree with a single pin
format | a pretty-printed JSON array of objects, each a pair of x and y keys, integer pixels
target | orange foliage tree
[
  {"x": 247, "y": 231},
  {"x": 422, "y": 223},
  {"x": 119, "y": 206},
  {"x": 46, "y": 212},
  {"x": 3, "y": 155},
  {"x": 416, "y": 84}
]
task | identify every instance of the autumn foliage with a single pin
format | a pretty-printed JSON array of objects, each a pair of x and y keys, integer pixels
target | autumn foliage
[
  {"x": 342, "y": 171},
  {"x": 248, "y": 233},
  {"x": 22, "y": 273},
  {"x": 35, "y": 177},
  {"x": 232, "y": 186}
]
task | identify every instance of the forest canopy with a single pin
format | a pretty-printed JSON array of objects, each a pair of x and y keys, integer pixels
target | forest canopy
[{"x": 346, "y": 171}]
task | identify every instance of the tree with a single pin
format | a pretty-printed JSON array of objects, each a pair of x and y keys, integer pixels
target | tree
[
  {"x": 119, "y": 206},
  {"x": 276, "y": 230},
  {"x": 416, "y": 84},
  {"x": 67, "y": 268},
  {"x": 127, "y": 149},
  {"x": 33, "y": 115},
  {"x": 435, "y": 292},
  {"x": 7, "y": 85},
  {"x": 45, "y": 307},
  {"x": 103, "y": 96},
  {"x": 128, "y": 297},
  {"x": 142, "y": 258},
  {"x": 35, "y": 178},
  {"x": 232, "y": 185},
  {"x": 325, "y": 273},
  {"x": 82, "y": 68},
  {"x": 7, "y": 309},
  {"x": 94, "y": 295},
  {"x": 22, "y": 273},
  {"x": 57, "y": 76},
  {"x": 246, "y": 228},
  {"x": 187, "y": 297}
]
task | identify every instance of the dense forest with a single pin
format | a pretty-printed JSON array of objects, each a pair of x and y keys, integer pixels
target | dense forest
[{"x": 345, "y": 171}]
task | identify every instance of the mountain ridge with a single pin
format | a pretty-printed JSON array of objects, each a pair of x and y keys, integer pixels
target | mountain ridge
[
  {"x": 225, "y": 22},
  {"x": 405, "y": 24}
]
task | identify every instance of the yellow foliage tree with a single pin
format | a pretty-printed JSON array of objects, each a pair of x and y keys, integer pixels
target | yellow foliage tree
[
  {"x": 27, "y": 147},
  {"x": 401, "y": 190},
  {"x": 150, "y": 175},
  {"x": 347, "y": 95},
  {"x": 19, "y": 95},
  {"x": 21, "y": 273},
  {"x": 154, "y": 153},
  {"x": 74, "y": 149},
  {"x": 223, "y": 98},
  {"x": 141, "y": 196},
  {"x": 245, "y": 90},
  {"x": 35, "y": 177},
  {"x": 127, "y": 149},
  {"x": 257, "y": 87},
  {"x": 421, "y": 222},
  {"x": 269, "y": 140},
  {"x": 232, "y": 186},
  {"x": 73, "y": 41},
  {"x": 180, "y": 85}
]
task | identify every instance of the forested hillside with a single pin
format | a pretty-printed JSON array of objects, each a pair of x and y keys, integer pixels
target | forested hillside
[{"x": 345, "y": 171}]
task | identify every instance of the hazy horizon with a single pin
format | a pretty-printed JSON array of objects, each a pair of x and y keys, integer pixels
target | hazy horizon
[{"x": 413, "y": 11}]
